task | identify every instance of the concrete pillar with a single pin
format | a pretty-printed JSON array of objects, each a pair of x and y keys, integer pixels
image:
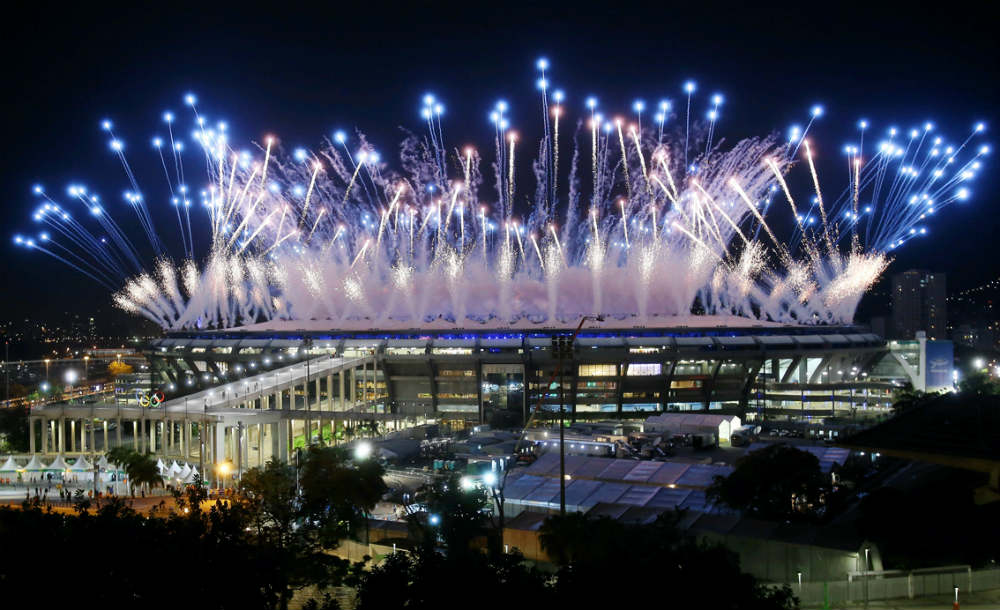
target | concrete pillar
[
  {"x": 61, "y": 447},
  {"x": 354, "y": 387},
  {"x": 219, "y": 444},
  {"x": 72, "y": 437},
  {"x": 342, "y": 397},
  {"x": 186, "y": 442},
  {"x": 135, "y": 435},
  {"x": 281, "y": 439},
  {"x": 93, "y": 436},
  {"x": 44, "y": 429},
  {"x": 31, "y": 435},
  {"x": 105, "y": 426},
  {"x": 308, "y": 420},
  {"x": 260, "y": 444},
  {"x": 374, "y": 382},
  {"x": 329, "y": 392}
]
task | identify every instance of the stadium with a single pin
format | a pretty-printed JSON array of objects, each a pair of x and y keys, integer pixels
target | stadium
[{"x": 714, "y": 363}]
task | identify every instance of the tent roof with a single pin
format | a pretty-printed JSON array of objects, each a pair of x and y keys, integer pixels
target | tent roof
[
  {"x": 80, "y": 465},
  {"x": 692, "y": 419},
  {"x": 10, "y": 465},
  {"x": 34, "y": 464},
  {"x": 58, "y": 464}
]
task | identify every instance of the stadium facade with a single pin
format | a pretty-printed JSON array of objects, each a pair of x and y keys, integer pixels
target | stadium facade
[
  {"x": 464, "y": 376},
  {"x": 247, "y": 395}
]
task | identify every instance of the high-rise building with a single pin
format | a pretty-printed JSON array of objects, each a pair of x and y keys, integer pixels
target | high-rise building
[{"x": 919, "y": 303}]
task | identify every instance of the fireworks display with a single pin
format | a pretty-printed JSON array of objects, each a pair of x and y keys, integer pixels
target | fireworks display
[{"x": 634, "y": 217}]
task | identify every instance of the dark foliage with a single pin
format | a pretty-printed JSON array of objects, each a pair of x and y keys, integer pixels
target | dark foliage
[{"x": 778, "y": 482}]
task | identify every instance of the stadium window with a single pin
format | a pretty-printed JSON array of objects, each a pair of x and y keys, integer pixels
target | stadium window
[
  {"x": 598, "y": 370},
  {"x": 641, "y": 369}
]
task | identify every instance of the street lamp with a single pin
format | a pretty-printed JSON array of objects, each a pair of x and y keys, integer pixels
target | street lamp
[
  {"x": 222, "y": 470},
  {"x": 362, "y": 451},
  {"x": 562, "y": 348}
]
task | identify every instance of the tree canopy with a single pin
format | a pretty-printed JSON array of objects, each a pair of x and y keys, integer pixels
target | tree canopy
[
  {"x": 778, "y": 482},
  {"x": 140, "y": 467}
]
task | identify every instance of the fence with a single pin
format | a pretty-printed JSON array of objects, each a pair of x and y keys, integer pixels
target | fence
[{"x": 895, "y": 584}]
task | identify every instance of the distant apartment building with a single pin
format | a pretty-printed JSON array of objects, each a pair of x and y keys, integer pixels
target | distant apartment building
[{"x": 919, "y": 304}]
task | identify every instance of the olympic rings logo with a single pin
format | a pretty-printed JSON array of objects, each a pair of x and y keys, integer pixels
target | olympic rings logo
[{"x": 149, "y": 400}]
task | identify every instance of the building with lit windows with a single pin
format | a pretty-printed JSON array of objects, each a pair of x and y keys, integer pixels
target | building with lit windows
[
  {"x": 919, "y": 303},
  {"x": 479, "y": 376},
  {"x": 255, "y": 393}
]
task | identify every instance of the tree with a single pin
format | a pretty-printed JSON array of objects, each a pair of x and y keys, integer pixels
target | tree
[
  {"x": 979, "y": 384},
  {"x": 281, "y": 526},
  {"x": 338, "y": 493},
  {"x": 906, "y": 397},
  {"x": 140, "y": 467},
  {"x": 236, "y": 569},
  {"x": 460, "y": 513},
  {"x": 270, "y": 492},
  {"x": 592, "y": 552},
  {"x": 778, "y": 482},
  {"x": 14, "y": 429}
]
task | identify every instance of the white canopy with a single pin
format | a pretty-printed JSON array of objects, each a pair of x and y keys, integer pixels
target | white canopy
[
  {"x": 9, "y": 465},
  {"x": 35, "y": 464},
  {"x": 173, "y": 471},
  {"x": 58, "y": 464},
  {"x": 161, "y": 467},
  {"x": 185, "y": 472},
  {"x": 190, "y": 477},
  {"x": 80, "y": 465},
  {"x": 103, "y": 462}
]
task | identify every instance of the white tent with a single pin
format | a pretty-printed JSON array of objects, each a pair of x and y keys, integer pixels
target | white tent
[
  {"x": 102, "y": 463},
  {"x": 185, "y": 472},
  {"x": 191, "y": 476},
  {"x": 35, "y": 465},
  {"x": 9, "y": 465},
  {"x": 692, "y": 423},
  {"x": 173, "y": 471},
  {"x": 161, "y": 467},
  {"x": 58, "y": 464},
  {"x": 81, "y": 465}
]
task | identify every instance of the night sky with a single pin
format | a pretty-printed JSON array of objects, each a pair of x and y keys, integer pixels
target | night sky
[{"x": 303, "y": 73}]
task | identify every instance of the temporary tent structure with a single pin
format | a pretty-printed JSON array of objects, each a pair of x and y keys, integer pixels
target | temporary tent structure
[
  {"x": 9, "y": 465},
  {"x": 58, "y": 464},
  {"x": 34, "y": 469},
  {"x": 35, "y": 465},
  {"x": 693, "y": 423},
  {"x": 81, "y": 465},
  {"x": 80, "y": 469},
  {"x": 173, "y": 471},
  {"x": 191, "y": 476}
]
